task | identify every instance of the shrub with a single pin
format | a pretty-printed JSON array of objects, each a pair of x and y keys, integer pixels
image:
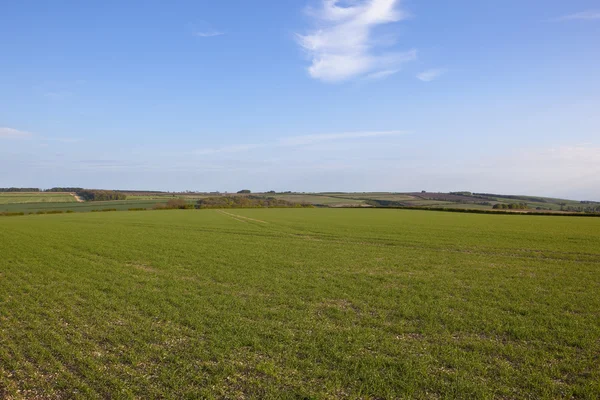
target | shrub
[
  {"x": 100, "y": 195},
  {"x": 176, "y": 204},
  {"x": 11, "y": 214},
  {"x": 173, "y": 204},
  {"x": 246, "y": 202}
]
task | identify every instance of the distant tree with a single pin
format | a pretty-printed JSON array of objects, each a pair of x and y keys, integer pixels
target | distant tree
[
  {"x": 246, "y": 202},
  {"x": 14, "y": 189},
  {"x": 510, "y": 206},
  {"x": 100, "y": 195},
  {"x": 245, "y": 191}
]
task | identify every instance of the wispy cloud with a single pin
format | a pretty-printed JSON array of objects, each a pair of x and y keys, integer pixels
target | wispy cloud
[
  {"x": 431, "y": 74},
  {"x": 343, "y": 45},
  {"x": 584, "y": 15},
  {"x": 58, "y": 95},
  {"x": 382, "y": 74},
  {"x": 228, "y": 149},
  {"x": 297, "y": 141},
  {"x": 207, "y": 34},
  {"x": 10, "y": 133},
  {"x": 62, "y": 139},
  {"x": 312, "y": 139}
]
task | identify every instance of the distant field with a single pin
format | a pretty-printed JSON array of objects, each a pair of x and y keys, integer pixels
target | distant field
[
  {"x": 33, "y": 202},
  {"x": 166, "y": 197},
  {"x": 81, "y": 207},
  {"x": 299, "y": 303},
  {"x": 34, "y": 197},
  {"x": 318, "y": 199},
  {"x": 376, "y": 196}
]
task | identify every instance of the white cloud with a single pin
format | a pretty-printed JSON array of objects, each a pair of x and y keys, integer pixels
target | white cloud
[
  {"x": 10, "y": 133},
  {"x": 296, "y": 141},
  {"x": 431, "y": 74},
  {"x": 209, "y": 33},
  {"x": 62, "y": 139},
  {"x": 382, "y": 74},
  {"x": 228, "y": 149},
  {"x": 343, "y": 46},
  {"x": 570, "y": 171},
  {"x": 584, "y": 15},
  {"x": 312, "y": 139},
  {"x": 58, "y": 95}
]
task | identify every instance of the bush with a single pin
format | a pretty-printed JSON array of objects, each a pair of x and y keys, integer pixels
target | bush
[
  {"x": 137, "y": 209},
  {"x": 11, "y": 214},
  {"x": 511, "y": 206},
  {"x": 246, "y": 202},
  {"x": 174, "y": 204},
  {"x": 100, "y": 195}
]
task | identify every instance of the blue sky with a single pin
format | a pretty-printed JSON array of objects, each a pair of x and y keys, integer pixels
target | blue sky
[{"x": 306, "y": 95}]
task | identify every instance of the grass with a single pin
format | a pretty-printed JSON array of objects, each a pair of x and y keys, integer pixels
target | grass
[
  {"x": 309, "y": 303},
  {"x": 377, "y": 196},
  {"x": 35, "y": 197},
  {"x": 318, "y": 199},
  {"x": 120, "y": 205}
]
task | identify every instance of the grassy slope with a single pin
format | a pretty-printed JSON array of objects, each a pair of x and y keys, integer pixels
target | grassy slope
[
  {"x": 147, "y": 200},
  {"x": 290, "y": 303},
  {"x": 121, "y": 205},
  {"x": 26, "y": 197},
  {"x": 318, "y": 199}
]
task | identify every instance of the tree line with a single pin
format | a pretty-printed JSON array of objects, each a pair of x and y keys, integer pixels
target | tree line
[
  {"x": 511, "y": 206},
  {"x": 14, "y": 189},
  {"x": 247, "y": 202},
  {"x": 100, "y": 195}
]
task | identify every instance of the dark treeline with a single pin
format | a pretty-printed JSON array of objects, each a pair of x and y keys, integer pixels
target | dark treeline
[
  {"x": 100, "y": 195},
  {"x": 14, "y": 189},
  {"x": 511, "y": 206},
  {"x": 385, "y": 203},
  {"x": 64, "y": 189},
  {"x": 174, "y": 204},
  {"x": 246, "y": 202},
  {"x": 586, "y": 209}
]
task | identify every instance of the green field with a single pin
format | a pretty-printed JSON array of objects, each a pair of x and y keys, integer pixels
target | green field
[
  {"x": 121, "y": 205},
  {"x": 35, "y": 197},
  {"x": 317, "y": 199},
  {"x": 299, "y": 303}
]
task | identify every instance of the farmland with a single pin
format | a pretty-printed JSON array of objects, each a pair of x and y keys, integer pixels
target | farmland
[
  {"x": 299, "y": 303},
  {"x": 121, "y": 205},
  {"x": 35, "y": 197},
  {"x": 33, "y": 202}
]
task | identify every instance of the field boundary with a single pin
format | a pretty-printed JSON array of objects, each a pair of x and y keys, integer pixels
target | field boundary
[{"x": 474, "y": 211}]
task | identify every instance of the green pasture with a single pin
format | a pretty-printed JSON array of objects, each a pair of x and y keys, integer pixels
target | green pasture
[
  {"x": 318, "y": 199},
  {"x": 299, "y": 303},
  {"x": 121, "y": 205},
  {"x": 34, "y": 197}
]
